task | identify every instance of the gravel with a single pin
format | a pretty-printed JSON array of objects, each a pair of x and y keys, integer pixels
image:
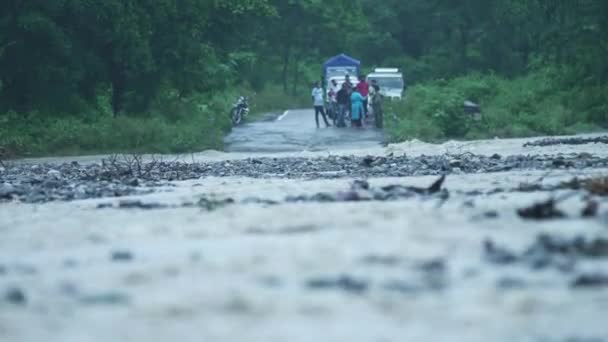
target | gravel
[{"x": 41, "y": 183}]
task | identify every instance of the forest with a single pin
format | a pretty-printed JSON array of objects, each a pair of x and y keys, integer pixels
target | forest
[{"x": 85, "y": 76}]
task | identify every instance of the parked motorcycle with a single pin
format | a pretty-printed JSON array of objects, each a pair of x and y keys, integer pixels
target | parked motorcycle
[{"x": 239, "y": 110}]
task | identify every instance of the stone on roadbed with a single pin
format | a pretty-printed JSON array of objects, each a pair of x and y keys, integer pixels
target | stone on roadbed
[{"x": 382, "y": 246}]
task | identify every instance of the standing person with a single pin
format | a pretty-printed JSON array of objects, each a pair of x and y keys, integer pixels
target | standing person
[
  {"x": 376, "y": 102},
  {"x": 343, "y": 101},
  {"x": 363, "y": 88},
  {"x": 356, "y": 108},
  {"x": 349, "y": 84},
  {"x": 333, "y": 103},
  {"x": 319, "y": 104}
]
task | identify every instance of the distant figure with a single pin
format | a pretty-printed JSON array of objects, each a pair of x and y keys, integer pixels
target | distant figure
[
  {"x": 343, "y": 105},
  {"x": 319, "y": 104},
  {"x": 372, "y": 86},
  {"x": 349, "y": 84},
  {"x": 356, "y": 108},
  {"x": 363, "y": 88},
  {"x": 376, "y": 102},
  {"x": 333, "y": 103}
]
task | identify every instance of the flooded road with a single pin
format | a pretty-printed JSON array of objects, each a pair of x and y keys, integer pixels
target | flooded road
[
  {"x": 294, "y": 131},
  {"x": 301, "y": 234}
]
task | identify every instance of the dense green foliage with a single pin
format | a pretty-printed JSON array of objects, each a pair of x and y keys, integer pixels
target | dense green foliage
[{"x": 160, "y": 75}]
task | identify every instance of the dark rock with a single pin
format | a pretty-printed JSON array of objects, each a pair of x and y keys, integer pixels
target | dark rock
[
  {"x": 435, "y": 265},
  {"x": 402, "y": 287},
  {"x": 360, "y": 185},
  {"x": 122, "y": 256},
  {"x": 594, "y": 280},
  {"x": 214, "y": 204},
  {"x": 105, "y": 205},
  {"x": 116, "y": 177},
  {"x": 509, "y": 283},
  {"x": 385, "y": 260},
  {"x": 345, "y": 283},
  {"x": 7, "y": 191},
  {"x": 568, "y": 141},
  {"x": 15, "y": 296},
  {"x": 133, "y": 182},
  {"x": 591, "y": 209},
  {"x": 137, "y": 204},
  {"x": 109, "y": 298},
  {"x": 491, "y": 214},
  {"x": 498, "y": 255},
  {"x": 541, "y": 211}
]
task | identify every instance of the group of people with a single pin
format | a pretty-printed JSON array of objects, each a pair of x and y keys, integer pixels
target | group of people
[{"x": 350, "y": 101}]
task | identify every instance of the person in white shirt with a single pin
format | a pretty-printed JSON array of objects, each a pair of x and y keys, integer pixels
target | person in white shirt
[{"x": 319, "y": 104}]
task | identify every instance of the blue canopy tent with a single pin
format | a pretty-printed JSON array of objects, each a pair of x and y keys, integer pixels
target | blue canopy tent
[{"x": 341, "y": 64}]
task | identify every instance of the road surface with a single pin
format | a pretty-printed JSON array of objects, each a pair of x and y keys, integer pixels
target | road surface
[
  {"x": 295, "y": 130},
  {"x": 260, "y": 246}
]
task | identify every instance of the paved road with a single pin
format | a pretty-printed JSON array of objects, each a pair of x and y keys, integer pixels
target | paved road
[{"x": 295, "y": 130}]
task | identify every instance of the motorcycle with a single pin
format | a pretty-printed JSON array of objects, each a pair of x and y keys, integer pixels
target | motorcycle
[{"x": 239, "y": 110}]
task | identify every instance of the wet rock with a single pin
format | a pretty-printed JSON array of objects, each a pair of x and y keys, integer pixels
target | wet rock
[
  {"x": 104, "y": 205},
  {"x": 498, "y": 255},
  {"x": 402, "y": 287},
  {"x": 256, "y": 200},
  {"x": 122, "y": 256},
  {"x": 7, "y": 191},
  {"x": 109, "y": 298},
  {"x": 384, "y": 260},
  {"x": 211, "y": 204},
  {"x": 549, "y": 251},
  {"x": 15, "y": 296},
  {"x": 491, "y": 214},
  {"x": 435, "y": 265},
  {"x": 116, "y": 177},
  {"x": 54, "y": 173},
  {"x": 576, "y": 246},
  {"x": 510, "y": 283},
  {"x": 568, "y": 141},
  {"x": 591, "y": 209},
  {"x": 592, "y": 280},
  {"x": 345, "y": 283},
  {"x": 360, "y": 185},
  {"x": 138, "y": 204},
  {"x": 541, "y": 211}
]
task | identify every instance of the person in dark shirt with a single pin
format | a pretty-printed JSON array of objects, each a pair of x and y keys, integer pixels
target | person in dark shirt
[
  {"x": 376, "y": 102},
  {"x": 343, "y": 99}
]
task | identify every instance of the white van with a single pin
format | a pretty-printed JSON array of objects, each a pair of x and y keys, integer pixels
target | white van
[{"x": 390, "y": 81}]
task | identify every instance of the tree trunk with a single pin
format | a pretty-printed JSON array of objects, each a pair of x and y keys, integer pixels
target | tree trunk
[
  {"x": 296, "y": 76},
  {"x": 118, "y": 79},
  {"x": 286, "y": 57}
]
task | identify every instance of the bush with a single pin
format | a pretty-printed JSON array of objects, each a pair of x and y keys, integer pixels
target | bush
[
  {"x": 173, "y": 126},
  {"x": 539, "y": 103}
]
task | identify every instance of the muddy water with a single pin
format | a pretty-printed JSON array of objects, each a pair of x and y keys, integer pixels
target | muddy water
[{"x": 412, "y": 269}]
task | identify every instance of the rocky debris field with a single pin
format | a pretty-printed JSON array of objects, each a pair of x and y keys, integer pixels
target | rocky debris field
[
  {"x": 383, "y": 246},
  {"x": 568, "y": 141},
  {"x": 40, "y": 183}
]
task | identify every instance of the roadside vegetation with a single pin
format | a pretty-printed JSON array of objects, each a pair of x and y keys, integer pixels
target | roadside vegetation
[
  {"x": 147, "y": 76},
  {"x": 542, "y": 102}
]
